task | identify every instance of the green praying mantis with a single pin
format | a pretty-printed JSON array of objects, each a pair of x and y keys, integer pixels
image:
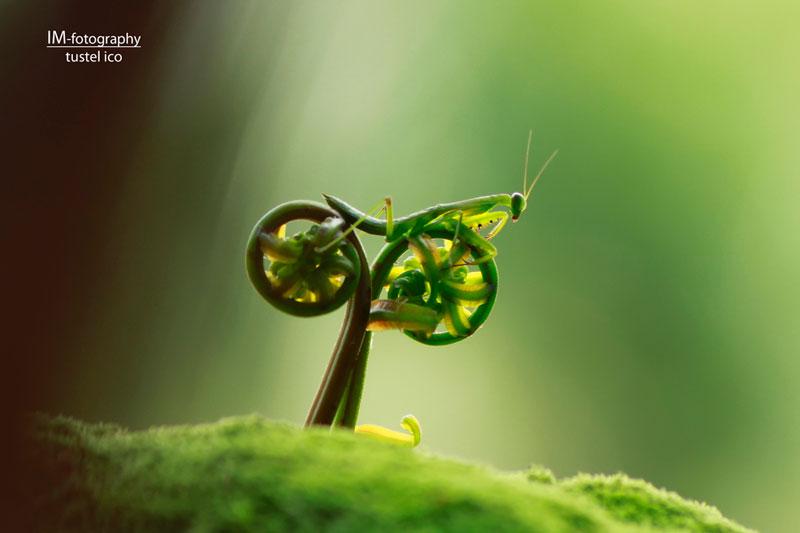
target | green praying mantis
[{"x": 435, "y": 279}]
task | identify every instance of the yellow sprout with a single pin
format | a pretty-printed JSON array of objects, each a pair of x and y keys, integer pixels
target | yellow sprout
[{"x": 410, "y": 439}]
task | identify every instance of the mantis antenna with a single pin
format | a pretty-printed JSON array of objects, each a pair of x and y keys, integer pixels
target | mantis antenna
[
  {"x": 539, "y": 175},
  {"x": 527, "y": 155}
]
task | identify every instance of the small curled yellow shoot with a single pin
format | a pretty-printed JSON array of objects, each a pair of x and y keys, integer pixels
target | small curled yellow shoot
[{"x": 410, "y": 439}]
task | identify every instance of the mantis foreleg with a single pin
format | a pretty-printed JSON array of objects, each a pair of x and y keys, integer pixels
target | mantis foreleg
[
  {"x": 458, "y": 227},
  {"x": 473, "y": 238},
  {"x": 389, "y": 216},
  {"x": 500, "y": 218}
]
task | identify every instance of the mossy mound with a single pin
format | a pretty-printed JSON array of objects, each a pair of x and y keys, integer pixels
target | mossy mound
[{"x": 250, "y": 474}]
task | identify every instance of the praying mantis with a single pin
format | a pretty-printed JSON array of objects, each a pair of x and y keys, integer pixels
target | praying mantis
[
  {"x": 473, "y": 214},
  {"x": 439, "y": 293}
]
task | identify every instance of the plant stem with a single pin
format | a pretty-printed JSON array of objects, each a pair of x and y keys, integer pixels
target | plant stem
[
  {"x": 352, "y": 400},
  {"x": 345, "y": 354}
]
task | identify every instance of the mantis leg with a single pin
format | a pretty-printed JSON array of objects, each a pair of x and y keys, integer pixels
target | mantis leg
[
  {"x": 377, "y": 210},
  {"x": 387, "y": 206},
  {"x": 485, "y": 219},
  {"x": 474, "y": 239},
  {"x": 503, "y": 220},
  {"x": 480, "y": 243},
  {"x": 465, "y": 212},
  {"x": 456, "y": 234},
  {"x": 458, "y": 226}
]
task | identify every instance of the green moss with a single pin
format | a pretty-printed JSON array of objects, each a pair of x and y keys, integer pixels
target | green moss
[
  {"x": 251, "y": 474},
  {"x": 540, "y": 474}
]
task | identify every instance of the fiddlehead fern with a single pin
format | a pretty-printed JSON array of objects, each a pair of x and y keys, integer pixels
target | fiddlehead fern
[
  {"x": 301, "y": 280},
  {"x": 434, "y": 287}
]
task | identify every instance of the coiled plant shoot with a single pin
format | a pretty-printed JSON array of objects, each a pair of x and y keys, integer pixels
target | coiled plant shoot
[{"x": 435, "y": 279}]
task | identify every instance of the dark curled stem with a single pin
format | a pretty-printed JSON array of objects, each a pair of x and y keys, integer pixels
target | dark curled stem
[
  {"x": 346, "y": 352},
  {"x": 351, "y": 337}
]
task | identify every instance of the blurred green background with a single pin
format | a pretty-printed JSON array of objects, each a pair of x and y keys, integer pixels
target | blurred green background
[{"x": 648, "y": 315}]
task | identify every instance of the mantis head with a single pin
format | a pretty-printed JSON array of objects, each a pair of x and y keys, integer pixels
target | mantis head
[{"x": 519, "y": 202}]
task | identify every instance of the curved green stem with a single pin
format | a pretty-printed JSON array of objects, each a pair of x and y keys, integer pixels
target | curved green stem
[
  {"x": 351, "y": 402},
  {"x": 348, "y": 347}
]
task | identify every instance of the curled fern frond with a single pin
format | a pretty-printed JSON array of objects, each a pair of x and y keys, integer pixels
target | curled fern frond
[
  {"x": 437, "y": 298},
  {"x": 302, "y": 275}
]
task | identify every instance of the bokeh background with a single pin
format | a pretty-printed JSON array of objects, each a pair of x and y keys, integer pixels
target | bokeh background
[{"x": 648, "y": 315}]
